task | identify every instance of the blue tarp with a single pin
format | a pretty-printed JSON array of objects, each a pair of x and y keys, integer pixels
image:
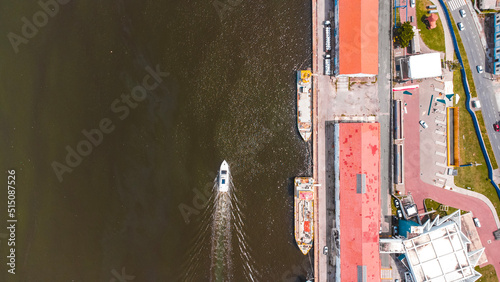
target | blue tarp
[{"x": 405, "y": 226}]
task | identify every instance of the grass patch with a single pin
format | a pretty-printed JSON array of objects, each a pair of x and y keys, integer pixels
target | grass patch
[
  {"x": 488, "y": 272},
  {"x": 393, "y": 207},
  {"x": 465, "y": 61},
  {"x": 439, "y": 208},
  {"x": 486, "y": 138},
  {"x": 433, "y": 38},
  {"x": 473, "y": 176},
  {"x": 398, "y": 16}
]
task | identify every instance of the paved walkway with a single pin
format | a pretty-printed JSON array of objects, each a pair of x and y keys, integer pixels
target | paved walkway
[
  {"x": 314, "y": 4},
  {"x": 465, "y": 200},
  {"x": 447, "y": 36}
]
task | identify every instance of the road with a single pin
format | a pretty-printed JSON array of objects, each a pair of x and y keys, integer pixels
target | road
[
  {"x": 484, "y": 86},
  {"x": 384, "y": 118}
]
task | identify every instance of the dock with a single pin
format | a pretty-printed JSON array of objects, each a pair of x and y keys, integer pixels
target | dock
[{"x": 315, "y": 135}]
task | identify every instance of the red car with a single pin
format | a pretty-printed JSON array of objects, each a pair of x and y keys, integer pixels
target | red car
[{"x": 496, "y": 127}]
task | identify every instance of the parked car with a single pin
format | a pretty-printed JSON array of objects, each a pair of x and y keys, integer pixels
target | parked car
[
  {"x": 423, "y": 124},
  {"x": 395, "y": 230},
  {"x": 462, "y": 13},
  {"x": 396, "y": 203},
  {"x": 476, "y": 104},
  {"x": 461, "y": 26},
  {"x": 476, "y": 222},
  {"x": 496, "y": 127},
  {"x": 325, "y": 250},
  {"x": 412, "y": 3},
  {"x": 400, "y": 214},
  {"x": 394, "y": 220},
  {"x": 479, "y": 69}
]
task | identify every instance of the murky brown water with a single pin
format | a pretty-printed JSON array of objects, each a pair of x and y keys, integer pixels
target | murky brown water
[{"x": 114, "y": 208}]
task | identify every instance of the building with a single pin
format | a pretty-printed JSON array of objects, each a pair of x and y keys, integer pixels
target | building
[
  {"x": 436, "y": 251},
  {"x": 356, "y": 38},
  {"x": 487, "y": 4},
  {"x": 496, "y": 38},
  {"x": 357, "y": 201},
  {"x": 420, "y": 66}
]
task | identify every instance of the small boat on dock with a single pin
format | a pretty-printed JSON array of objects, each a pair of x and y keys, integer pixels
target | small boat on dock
[{"x": 304, "y": 103}]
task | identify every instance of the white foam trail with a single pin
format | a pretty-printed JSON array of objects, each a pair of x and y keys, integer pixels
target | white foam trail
[{"x": 221, "y": 221}]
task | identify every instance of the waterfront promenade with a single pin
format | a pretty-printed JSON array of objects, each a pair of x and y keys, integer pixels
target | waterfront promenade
[{"x": 315, "y": 135}]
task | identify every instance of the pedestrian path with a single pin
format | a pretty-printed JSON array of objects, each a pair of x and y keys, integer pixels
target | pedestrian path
[
  {"x": 448, "y": 43},
  {"x": 455, "y": 4}
]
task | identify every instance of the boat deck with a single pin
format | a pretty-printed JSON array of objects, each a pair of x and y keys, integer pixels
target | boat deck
[{"x": 304, "y": 103}]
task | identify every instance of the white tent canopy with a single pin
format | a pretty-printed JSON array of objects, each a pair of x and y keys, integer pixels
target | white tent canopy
[{"x": 424, "y": 66}]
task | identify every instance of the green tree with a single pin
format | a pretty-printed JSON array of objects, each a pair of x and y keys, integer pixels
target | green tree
[
  {"x": 403, "y": 34},
  {"x": 453, "y": 65}
]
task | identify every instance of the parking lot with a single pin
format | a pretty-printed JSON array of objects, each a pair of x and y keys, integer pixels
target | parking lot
[{"x": 433, "y": 153}]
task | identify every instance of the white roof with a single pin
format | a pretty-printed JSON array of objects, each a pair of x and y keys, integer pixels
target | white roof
[
  {"x": 425, "y": 65},
  {"x": 440, "y": 253}
]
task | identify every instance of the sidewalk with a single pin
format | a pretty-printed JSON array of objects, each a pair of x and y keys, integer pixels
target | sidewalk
[
  {"x": 451, "y": 184},
  {"x": 447, "y": 36}
]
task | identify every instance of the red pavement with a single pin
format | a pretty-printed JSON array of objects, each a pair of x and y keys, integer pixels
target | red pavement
[
  {"x": 411, "y": 12},
  {"x": 420, "y": 190}
]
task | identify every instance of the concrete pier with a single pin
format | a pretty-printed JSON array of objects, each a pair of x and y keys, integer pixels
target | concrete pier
[{"x": 315, "y": 135}]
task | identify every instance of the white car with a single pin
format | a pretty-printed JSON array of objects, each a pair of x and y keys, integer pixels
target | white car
[
  {"x": 325, "y": 250},
  {"x": 476, "y": 222},
  {"x": 423, "y": 124},
  {"x": 462, "y": 13},
  {"x": 461, "y": 26},
  {"x": 479, "y": 69}
]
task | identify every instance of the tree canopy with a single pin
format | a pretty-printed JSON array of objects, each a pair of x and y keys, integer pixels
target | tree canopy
[{"x": 403, "y": 34}]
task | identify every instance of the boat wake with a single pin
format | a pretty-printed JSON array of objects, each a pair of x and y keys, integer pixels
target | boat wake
[{"x": 221, "y": 242}]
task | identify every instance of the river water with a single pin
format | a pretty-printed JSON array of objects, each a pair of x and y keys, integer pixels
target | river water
[{"x": 116, "y": 116}]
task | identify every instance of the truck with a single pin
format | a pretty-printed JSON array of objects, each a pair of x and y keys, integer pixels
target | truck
[
  {"x": 328, "y": 36},
  {"x": 328, "y": 62}
]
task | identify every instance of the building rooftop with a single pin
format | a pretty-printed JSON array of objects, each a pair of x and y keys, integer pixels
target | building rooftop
[
  {"x": 424, "y": 66},
  {"x": 439, "y": 252},
  {"x": 358, "y": 37},
  {"x": 357, "y": 173}
]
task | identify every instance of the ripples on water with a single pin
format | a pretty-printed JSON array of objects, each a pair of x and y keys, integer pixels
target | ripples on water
[{"x": 221, "y": 228}]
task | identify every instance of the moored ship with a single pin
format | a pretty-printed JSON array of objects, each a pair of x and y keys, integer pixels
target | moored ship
[
  {"x": 304, "y": 103},
  {"x": 304, "y": 213}
]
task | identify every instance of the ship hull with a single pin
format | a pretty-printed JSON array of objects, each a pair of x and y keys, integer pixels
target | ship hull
[
  {"x": 304, "y": 213},
  {"x": 304, "y": 104}
]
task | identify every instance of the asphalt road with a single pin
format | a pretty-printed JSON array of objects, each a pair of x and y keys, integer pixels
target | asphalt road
[
  {"x": 384, "y": 118},
  {"x": 484, "y": 86}
]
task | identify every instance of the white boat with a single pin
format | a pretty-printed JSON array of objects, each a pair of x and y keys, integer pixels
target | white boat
[{"x": 224, "y": 177}]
